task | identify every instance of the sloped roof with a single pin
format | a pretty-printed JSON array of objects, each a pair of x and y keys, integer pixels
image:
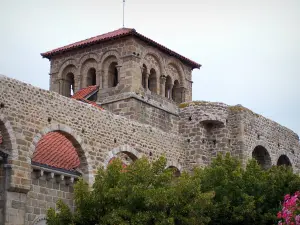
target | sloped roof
[
  {"x": 55, "y": 150},
  {"x": 123, "y": 32},
  {"x": 84, "y": 92}
]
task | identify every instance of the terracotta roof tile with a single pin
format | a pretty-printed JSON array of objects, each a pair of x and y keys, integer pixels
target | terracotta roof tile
[
  {"x": 84, "y": 92},
  {"x": 92, "y": 103},
  {"x": 55, "y": 150},
  {"x": 118, "y": 34}
]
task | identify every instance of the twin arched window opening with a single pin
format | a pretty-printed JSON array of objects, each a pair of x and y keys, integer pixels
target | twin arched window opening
[{"x": 172, "y": 90}]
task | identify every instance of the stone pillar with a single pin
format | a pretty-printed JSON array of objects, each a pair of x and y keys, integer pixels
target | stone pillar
[
  {"x": 162, "y": 85},
  {"x": 119, "y": 72},
  {"x": 182, "y": 92},
  {"x": 147, "y": 80},
  {"x": 14, "y": 205},
  {"x": 170, "y": 90},
  {"x": 77, "y": 82},
  {"x": 99, "y": 78}
]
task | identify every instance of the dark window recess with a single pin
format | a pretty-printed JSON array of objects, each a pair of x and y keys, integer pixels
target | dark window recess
[
  {"x": 190, "y": 118},
  {"x": 150, "y": 153},
  {"x": 49, "y": 119},
  {"x": 115, "y": 140}
]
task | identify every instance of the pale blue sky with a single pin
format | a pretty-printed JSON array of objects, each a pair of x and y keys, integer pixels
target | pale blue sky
[{"x": 249, "y": 49}]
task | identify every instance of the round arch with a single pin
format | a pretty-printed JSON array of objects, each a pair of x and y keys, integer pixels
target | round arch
[
  {"x": 81, "y": 148},
  {"x": 67, "y": 63},
  {"x": 112, "y": 52},
  {"x": 86, "y": 57},
  {"x": 122, "y": 149},
  {"x": 262, "y": 156},
  {"x": 284, "y": 160},
  {"x": 148, "y": 61},
  {"x": 176, "y": 64},
  {"x": 175, "y": 164},
  {"x": 176, "y": 172},
  {"x": 9, "y": 139},
  {"x": 40, "y": 220},
  {"x": 88, "y": 64}
]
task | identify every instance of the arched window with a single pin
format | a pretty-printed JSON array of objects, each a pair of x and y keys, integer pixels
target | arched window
[
  {"x": 262, "y": 156},
  {"x": 91, "y": 77},
  {"x": 152, "y": 82},
  {"x": 168, "y": 87},
  {"x": 144, "y": 77},
  {"x": 283, "y": 160},
  {"x": 176, "y": 171},
  {"x": 176, "y": 94},
  {"x": 69, "y": 85},
  {"x": 113, "y": 76}
]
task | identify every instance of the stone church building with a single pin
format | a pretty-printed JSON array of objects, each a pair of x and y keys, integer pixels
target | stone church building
[{"x": 119, "y": 94}]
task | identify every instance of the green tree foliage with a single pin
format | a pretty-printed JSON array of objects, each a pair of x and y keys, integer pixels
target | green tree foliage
[
  {"x": 248, "y": 195},
  {"x": 146, "y": 193},
  {"x": 142, "y": 193}
]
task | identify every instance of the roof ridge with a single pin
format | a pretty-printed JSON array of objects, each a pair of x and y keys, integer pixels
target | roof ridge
[{"x": 119, "y": 33}]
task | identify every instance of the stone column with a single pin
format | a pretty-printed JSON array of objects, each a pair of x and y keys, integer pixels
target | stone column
[
  {"x": 99, "y": 78},
  {"x": 182, "y": 97},
  {"x": 147, "y": 80},
  {"x": 162, "y": 85},
  {"x": 119, "y": 71},
  {"x": 170, "y": 90}
]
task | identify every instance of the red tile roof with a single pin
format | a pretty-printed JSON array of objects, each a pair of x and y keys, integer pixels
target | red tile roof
[
  {"x": 84, "y": 92},
  {"x": 118, "y": 34},
  {"x": 92, "y": 103},
  {"x": 55, "y": 150}
]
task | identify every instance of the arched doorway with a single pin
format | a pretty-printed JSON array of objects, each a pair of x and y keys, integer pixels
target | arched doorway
[
  {"x": 283, "y": 160},
  {"x": 262, "y": 156}
]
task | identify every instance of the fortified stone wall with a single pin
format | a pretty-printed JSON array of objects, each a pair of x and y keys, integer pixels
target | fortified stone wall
[
  {"x": 276, "y": 139},
  {"x": 209, "y": 128},
  {"x": 148, "y": 109},
  {"x": 44, "y": 193},
  {"x": 28, "y": 113}
]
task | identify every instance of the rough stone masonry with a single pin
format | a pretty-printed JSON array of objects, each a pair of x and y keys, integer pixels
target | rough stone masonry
[{"x": 133, "y": 99}]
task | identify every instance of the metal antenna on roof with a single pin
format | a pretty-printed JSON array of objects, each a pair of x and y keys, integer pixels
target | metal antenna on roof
[{"x": 123, "y": 12}]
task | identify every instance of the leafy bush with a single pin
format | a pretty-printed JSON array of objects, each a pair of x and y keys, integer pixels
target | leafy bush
[{"x": 147, "y": 193}]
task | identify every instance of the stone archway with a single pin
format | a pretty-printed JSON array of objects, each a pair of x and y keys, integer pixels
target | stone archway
[
  {"x": 122, "y": 152},
  {"x": 176, "y": 171},
  {"x": 283, "y": 160},
  {"x": 262, "y": 157},
  {"x": 85, "y": 168}
]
